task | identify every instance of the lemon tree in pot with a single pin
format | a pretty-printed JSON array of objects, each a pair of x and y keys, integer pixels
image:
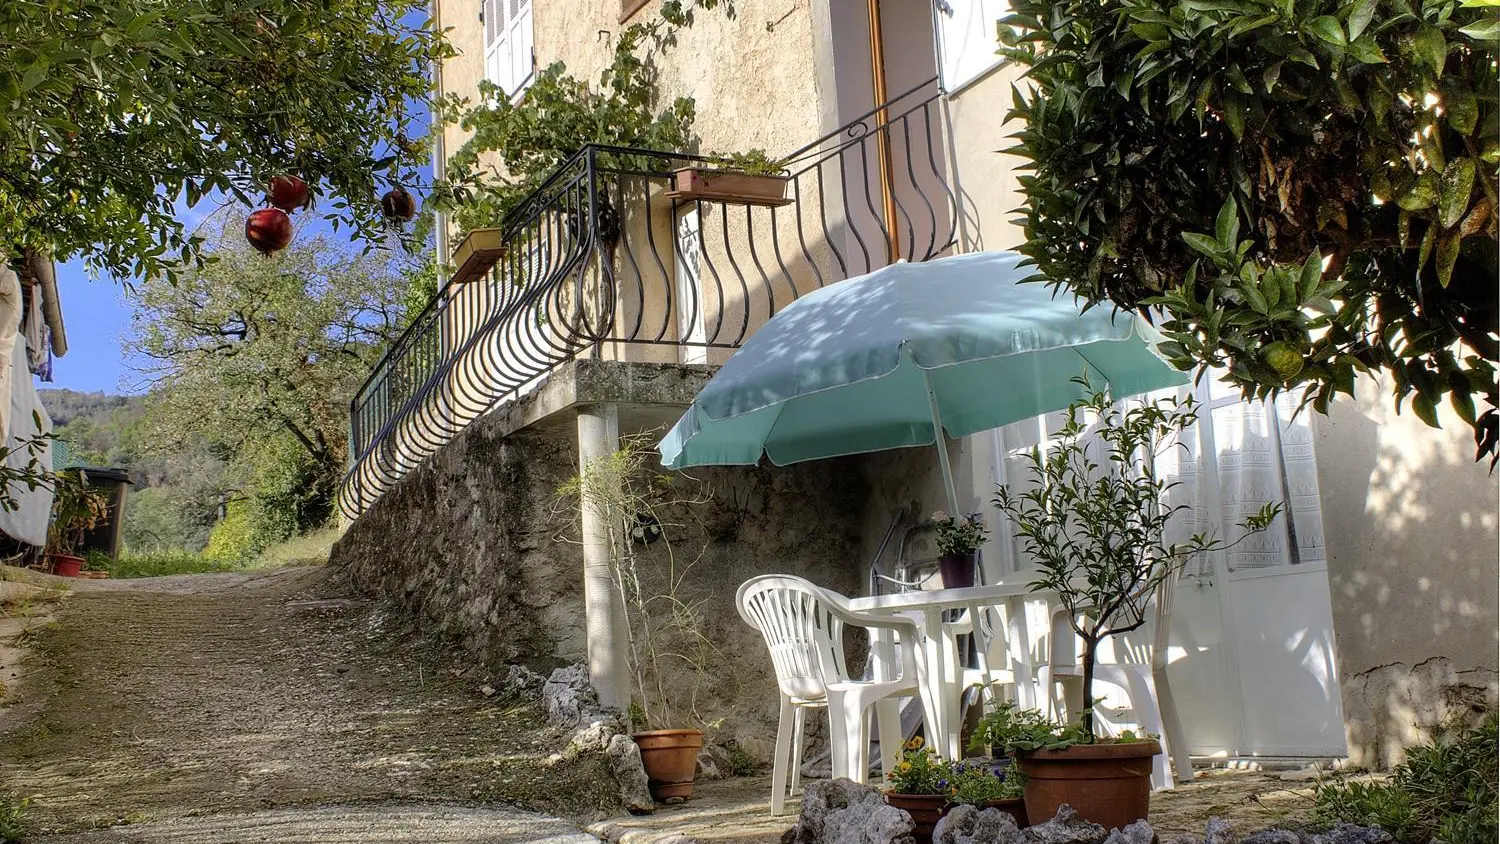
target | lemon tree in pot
[
  {"x": 1095, "y": 520},
  {"x": 670, "y": 657}
]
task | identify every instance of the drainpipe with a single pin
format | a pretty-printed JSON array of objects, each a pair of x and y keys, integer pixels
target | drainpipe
[
  {"x": 883, "y": 135},
  {"x": 603, "y": 605}
]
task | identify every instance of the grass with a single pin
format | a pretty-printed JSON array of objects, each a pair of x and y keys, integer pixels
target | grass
[
  {"x": 308, "y": 549},
  {"x": 12, "y": 817}
]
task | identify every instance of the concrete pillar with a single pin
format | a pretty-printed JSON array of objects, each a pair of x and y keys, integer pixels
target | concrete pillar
[{"x": 604, "y": 608}]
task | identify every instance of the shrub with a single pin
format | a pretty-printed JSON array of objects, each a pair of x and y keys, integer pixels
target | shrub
[
  {"x": 1445, "y": 791},
  {"x": 12, "y": 815},
  {"x": 233, "y": 537}
]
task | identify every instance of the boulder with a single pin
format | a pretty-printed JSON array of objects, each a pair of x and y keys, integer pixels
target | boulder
[
  {"x": 879, "y": 823},
  {"x": 568, "y": 697},
  {"x": 595, "y": 734},
  {"x": 1066, "y": 827},
  {"x": 1348, "y": 833},
  {"x": 1219, "y": 832},
  {"x": 714, "y": 763},
  {"x": 824, "y": 798},
  {"x": 1139, "y": 832},
  {"x": 625, "y": 764},
  {"x": 1273, "y": 836},
  {"x": 971, "y": 825},
  {"x": 520, "y": 681}
]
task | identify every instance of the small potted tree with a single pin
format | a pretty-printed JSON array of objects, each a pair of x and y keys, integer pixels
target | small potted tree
[
  {"x": 922, "y": 785},
  {"x": 76, "y": 510},
  {"x": 669, "y": 654},
  {"x": 958, "y": 541},
  {"x": 1095, "y": 520}
]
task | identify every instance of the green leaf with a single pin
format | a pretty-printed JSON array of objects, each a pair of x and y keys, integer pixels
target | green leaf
[
  {"x": 1431, "y": 48},
  {"x": 1271, "y": 75},
  {"x": 1227, "y": 224},
  {"x": 1367, "y": 51},
  {"x": 1483, "y": 31},
  {"x": 1311, "y": 275},
  {"x": 1426, "y": 409},
  {"x": 1327, "y": 29},
  {"x": 1360, "y": 15},
  {"x": 1202, "y": 243},
  {"x": 1422, "y": 194},
  {"x": 1447, "y": 256},
  {"x": 1234, "y": 115},
  {"x": 1457, "y": 185}
]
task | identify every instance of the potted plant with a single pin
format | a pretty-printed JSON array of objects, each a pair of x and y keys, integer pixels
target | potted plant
[
  {"x": 76, "y": 510},
  {"x": 958, "y": 541},
  {"x": 922, "y": 785},
  {"x": 668, "y": 653},
  {"x": 1095, "y": 519},
  {"x": 988, "y": 786},
  {"x": 748, "y": 178}
]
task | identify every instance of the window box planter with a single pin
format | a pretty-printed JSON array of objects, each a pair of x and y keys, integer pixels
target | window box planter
[
  {"x": 732, "y": 186},
  {"x": 476, "y": 254}
]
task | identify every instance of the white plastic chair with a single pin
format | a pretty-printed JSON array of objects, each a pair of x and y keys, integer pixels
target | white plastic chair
[
  {"x": 803, "y": 627},
  {"x": 1145, "y": 683}
]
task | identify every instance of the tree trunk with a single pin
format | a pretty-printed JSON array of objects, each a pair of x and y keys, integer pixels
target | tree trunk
[{"x": 1089, "y": 648}]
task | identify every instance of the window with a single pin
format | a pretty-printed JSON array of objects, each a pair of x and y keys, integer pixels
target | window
[
  {"x": 967, "y": 40},
  {"x": 508, "y": 58}
]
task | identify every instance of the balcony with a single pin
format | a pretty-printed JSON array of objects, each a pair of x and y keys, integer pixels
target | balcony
[{"x": 603, "y": 261}]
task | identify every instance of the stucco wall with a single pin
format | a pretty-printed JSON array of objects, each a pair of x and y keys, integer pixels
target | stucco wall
[
  {"x": 1413, "y": 556},
  {"x": 477, "y": 543}
]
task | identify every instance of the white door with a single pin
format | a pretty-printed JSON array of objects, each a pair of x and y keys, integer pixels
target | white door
[
  {"x": 1251, "y": 658},
  {"x": 690, "y": 299}
]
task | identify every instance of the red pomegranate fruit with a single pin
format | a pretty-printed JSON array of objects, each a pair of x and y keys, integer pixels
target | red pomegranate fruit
[
  {"x": 397, "y": 204},
  {"x": 288, "y": 193},
  {"x": 268, "y": 230}
]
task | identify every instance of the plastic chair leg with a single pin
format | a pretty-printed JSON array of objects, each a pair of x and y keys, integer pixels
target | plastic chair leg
[
  {"x": 839, "y": 743},
  {"x": 888, "y": 723},
  {"x": 785, "y": 726},
  {"x": 799, "y": 737}
]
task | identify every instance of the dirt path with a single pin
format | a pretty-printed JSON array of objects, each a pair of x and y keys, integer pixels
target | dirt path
[{"x": 189, "y": 701}]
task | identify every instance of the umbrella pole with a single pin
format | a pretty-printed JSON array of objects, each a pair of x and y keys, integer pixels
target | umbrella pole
[{"x": 941, "y": 440}]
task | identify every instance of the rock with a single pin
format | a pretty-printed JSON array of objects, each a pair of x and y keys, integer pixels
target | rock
[
  {"x": 1272, "y": 836},
  {"x": 824, "y": 798},
  {"x": 1139, "y": 832},
  {"x": 1184, "y": 838},
  {"x": 970, "y": 825},
  {"x": 1220, "y": 832},
  {"x": 568, "y": 697},
  {"x": 625, "y": 764},
  {"x": 713, "y": 763},
  {"x": 487, "y": 690},
  {"x": 878, "y": 823},
  {"x": 1066, "y": 828},
  {"x": 522, "y": 682},
  {"x": 1348, "y": 833},
  {"x": 594, "y": 736}
]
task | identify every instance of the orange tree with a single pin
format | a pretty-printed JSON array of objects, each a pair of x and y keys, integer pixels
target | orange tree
[
  {"x": 115, "y": 112},
  {"x": 1301, "y": 190}
]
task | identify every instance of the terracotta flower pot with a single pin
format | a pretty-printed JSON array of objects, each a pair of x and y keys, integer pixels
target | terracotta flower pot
[
  {"x": 958, "y": 569},
  {"x": 671, "y": 760},
  {"x": 925, "y": 810},
  {"x": 690, "y": 183},
  {"x": 1013, "y": 806},
  {"x": 1109, "y": 784},
  {"x": 66, "y": 565}
]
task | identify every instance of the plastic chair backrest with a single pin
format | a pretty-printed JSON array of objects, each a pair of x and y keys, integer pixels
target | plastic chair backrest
[{"x": 804, "y": 638}]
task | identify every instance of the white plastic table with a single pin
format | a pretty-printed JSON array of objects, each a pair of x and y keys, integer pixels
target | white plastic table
[{"x": 940, "y": 671}]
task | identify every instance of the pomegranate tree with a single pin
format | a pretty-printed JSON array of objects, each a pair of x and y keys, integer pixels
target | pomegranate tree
[{"x": 268, "y": 230}]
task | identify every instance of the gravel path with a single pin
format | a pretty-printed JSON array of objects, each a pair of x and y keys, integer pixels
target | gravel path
[{"x": 218, "y": 707}]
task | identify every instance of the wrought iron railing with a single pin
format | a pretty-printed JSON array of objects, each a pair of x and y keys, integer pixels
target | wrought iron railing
[{"x": 599, "y": 262}]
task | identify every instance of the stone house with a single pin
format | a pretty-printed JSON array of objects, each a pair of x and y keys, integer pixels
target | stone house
[{"x": 604, "y": 302}]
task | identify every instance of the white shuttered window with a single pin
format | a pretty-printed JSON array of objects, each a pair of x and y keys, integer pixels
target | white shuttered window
[
  {"x": 507, "y": 44},
  {"x": 966, "y": 30}
]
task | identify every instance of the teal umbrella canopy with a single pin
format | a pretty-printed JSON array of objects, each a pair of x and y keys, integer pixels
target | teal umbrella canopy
[{"x": 862, "y": 365}]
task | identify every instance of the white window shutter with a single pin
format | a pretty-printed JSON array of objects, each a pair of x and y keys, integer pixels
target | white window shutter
[
  {"x": 497, "y": 43},
  {"x": 520, "y": 45},
  {"x": 966, "y": 29}
]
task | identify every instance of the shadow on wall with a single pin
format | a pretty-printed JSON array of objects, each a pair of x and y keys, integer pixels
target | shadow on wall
[{"x": 1413, "y": 563}]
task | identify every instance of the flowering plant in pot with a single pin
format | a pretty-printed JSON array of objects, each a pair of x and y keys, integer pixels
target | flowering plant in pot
[
  {"x": 1095, "y": 519},
  {"x": 989, "y": 787},
  {"x": 958, "y": 541},
  {"x": 922, "y": 785}
]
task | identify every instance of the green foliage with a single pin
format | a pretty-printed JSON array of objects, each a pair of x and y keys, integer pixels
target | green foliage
[
  {"x": 1008, "y": 729},
  {"x": 959, "y": 535},
  {"x": 741, "y": 763},
  {"x": 258, "y": 357},
  {"x": 1254, "y": 140},
  {"x": 113, "y": 111},
  {"x": 77, "y": 508},
  {"x": 160, "y": 563},
  {"x": 560, "y": 115},
  {"x": 920, "y": 771},
  {"x": 233, "y": 538},
  {"x": 12, "y": 818},
  {"x": 1096, "y": 514},
  {"x": 982, "y": 784},
  {"x": 755, "y": 162},
  {"x": 1445, "y": 791}
]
